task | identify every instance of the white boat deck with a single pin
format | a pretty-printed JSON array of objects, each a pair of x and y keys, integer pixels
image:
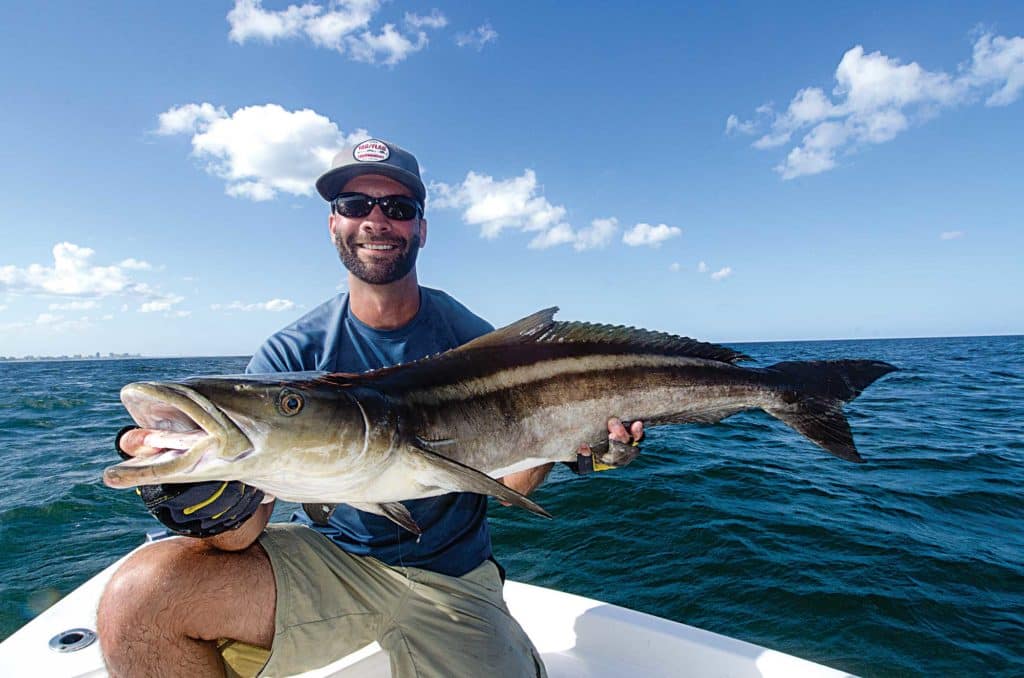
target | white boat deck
[{"x": 577, "y": 637}]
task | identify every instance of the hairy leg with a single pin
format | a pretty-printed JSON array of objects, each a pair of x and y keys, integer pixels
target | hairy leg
[{"x": 165, "y": 608}]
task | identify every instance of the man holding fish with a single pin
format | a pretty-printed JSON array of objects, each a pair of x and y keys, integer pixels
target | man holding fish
[{"x": 282, "y": 599}]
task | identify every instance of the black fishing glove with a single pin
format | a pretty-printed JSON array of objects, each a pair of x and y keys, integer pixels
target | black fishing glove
[
  {"x": 201, "y": 509},
  {"x": 604, "y": 456}
]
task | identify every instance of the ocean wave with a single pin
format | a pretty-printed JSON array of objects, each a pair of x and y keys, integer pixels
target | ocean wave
[{"x": 912, "y": 563}]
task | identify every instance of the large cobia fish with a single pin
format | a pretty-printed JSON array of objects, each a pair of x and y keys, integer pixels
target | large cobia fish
[{"x": 521, "y": 396}]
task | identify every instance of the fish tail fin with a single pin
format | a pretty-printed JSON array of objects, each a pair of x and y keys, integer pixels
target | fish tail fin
[{"x": 812, "y": 396}]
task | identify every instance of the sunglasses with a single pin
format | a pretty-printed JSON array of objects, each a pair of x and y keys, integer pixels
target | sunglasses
[{"x": 356, "y": 205}]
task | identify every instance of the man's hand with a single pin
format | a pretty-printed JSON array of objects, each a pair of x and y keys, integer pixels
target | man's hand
[
  {"x": 525, "y": 482},
  {"x": 617, "y": 431},
  {"x": 622, "y": 448},
  {"x": 205, "y": 509},
  {"x": 132, "y": 442}
]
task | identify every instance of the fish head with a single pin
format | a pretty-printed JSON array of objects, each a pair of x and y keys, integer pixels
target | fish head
[{"x": 237, "y": 428}]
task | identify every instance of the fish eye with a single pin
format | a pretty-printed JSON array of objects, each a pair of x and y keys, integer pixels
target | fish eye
[{"x": 289, "y": 403}]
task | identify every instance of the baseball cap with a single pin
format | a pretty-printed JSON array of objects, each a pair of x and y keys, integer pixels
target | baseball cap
[{"x": 373, "y": 156}]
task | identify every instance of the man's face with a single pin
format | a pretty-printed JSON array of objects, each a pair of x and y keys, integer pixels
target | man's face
[{"x": 375, "y": 249}]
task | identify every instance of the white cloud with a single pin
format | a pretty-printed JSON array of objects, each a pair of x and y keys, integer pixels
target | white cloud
[
  {"x": 559, "y": 234},
  {"x": 188, "y": 119},
  {"x": 817, "y": 154},
  {"x": 877, "y": 97},
  {"x": 253, "y": 190},
  {"x": 478, "y": 37},
  {"x": 107, "y": 317},
  {"x": 810, "y": 105},
  {"x": 951, "y": 235},
  {"x": 277, "y": 305},
  {"x": 274, "y": 305},
  {"x": 598, "y": 234},
  {"x": 48, "y": 319},
  {"x": 331, "y": 28},
  {"x": 3, "y": 307},
  {"x": 164, "y": 303},
  {"x": 867, "y": 83},
  {"x": 495, "y": 205},
  {"x": 733, "y": 125},
  {"x": 518, "y": 203},
  {"x": 646, "y": 234},
  {"x": 72, "y": 274},
  {"x": 999, "y": 62},
  {"x": 57, "y": 323},
  {"x": 74, "y": 306},
  {"x": 249, "y": 21},
  {"x": 136, "y": 264},
  {"x": 341, "y": 25},
  {"x": 261, "y": 150},
  {"x": 674, "y": 266},
  {"x": 433, "y": 20},
  {"x": 721, "y": 273},
  {"x": 388, "y": 46}
]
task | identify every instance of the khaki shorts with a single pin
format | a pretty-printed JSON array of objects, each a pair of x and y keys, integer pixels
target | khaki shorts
[{"x": 330, "y": 603}]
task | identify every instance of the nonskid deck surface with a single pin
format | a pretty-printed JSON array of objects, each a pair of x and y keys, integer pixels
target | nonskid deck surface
[{"x": 577, "y": 637}]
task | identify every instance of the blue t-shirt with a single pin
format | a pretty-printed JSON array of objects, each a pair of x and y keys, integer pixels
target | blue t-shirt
[{"x": 329, "y": 338}]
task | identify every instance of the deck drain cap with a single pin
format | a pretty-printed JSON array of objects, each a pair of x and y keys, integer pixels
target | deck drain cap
[{"x": 72, "y": 640}]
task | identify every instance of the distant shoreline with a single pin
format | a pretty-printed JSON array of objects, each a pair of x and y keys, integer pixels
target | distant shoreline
[
  {"x": 806, "y": 341},
  {"x": 59, "y": 359},
  {"x": 94, "y": 359}
]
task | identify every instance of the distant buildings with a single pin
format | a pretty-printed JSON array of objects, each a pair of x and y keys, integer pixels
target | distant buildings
[{"x": 77, "y": 356}]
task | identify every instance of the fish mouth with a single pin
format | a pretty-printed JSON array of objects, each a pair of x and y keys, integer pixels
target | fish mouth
[{"x": 194, "y": 435}]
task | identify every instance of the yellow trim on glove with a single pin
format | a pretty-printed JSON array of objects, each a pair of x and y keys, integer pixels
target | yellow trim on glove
[
  {"x": 206, "y": 502},
  {"x": 598, "y": 466}
]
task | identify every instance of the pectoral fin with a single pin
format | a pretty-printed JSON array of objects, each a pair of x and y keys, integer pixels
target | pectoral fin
[
  {"x": 395, "y": 511},
  {"x": 434, "y": 445},
  {"x": 319, "y": 512},
  {"x": 455, "y": 477}
]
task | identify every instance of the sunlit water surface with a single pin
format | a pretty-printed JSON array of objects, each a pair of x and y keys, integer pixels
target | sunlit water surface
[{"x": 910, "y": 563}]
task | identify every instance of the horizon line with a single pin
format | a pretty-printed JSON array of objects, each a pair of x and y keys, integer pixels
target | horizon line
[{"x": 728, "y": 343}]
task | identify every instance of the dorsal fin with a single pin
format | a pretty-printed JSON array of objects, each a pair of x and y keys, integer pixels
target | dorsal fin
[
  {"x": 523, "y": 329},
  {"x": 541, "y": 327},
  {"x": 637, "y": 340},
  {"x": 535, "y": 337}
]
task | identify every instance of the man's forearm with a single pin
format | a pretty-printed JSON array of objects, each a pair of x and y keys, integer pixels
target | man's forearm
[
  {"x": 245, "y": 535},
  {"x": 525, "y": 482}
]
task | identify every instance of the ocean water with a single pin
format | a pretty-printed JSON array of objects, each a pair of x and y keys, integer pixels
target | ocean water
[{"x": 909, "y": 564}]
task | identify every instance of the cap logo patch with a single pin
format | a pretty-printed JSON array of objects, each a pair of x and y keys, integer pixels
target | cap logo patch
[{"x": 371, "y": 150}]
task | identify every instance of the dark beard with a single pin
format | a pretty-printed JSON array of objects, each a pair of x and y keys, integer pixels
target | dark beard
[{"x": 383, "y": 273}]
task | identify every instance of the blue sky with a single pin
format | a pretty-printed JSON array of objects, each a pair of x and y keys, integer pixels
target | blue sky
[{"x": 729, "y": 173}]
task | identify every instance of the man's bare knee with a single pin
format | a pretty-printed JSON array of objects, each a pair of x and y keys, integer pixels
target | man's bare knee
[
  {"x": 145, "y": 613},
  {"x": 179, "y": 588},
  {"x": 143, "y": 589}
]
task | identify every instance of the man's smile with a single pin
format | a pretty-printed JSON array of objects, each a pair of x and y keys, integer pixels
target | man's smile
[{"x": 378, "y": 250}]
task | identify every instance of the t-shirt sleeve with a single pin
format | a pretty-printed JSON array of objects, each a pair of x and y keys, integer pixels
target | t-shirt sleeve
[
  {"x": 474, "y": 327},
  {"x": 466, "y": 325},
  {"x": 275, "y": 355},
  {"x": 299, "y": 346}
]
